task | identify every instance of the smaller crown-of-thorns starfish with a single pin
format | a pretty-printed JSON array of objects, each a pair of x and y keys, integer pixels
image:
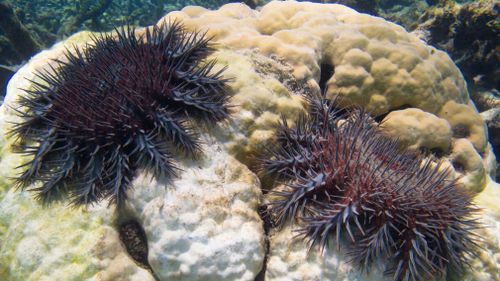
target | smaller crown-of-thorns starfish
[
  {"x": 347, "y": 183},
  {"x": 124, "y": 103}
]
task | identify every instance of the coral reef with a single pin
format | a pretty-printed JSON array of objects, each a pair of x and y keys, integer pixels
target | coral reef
[
  {"x": 469, "y": 34},
  {"x": 17, "y": 34},
  {"x": 205, "y": 224},
  {"x": 492, "y": 119},
  {"x": 366, "y": 60},
  {"x": 16, "y": 45},
  {"x": 86, "y": 11},
  {"x": 106, "y": 112}
]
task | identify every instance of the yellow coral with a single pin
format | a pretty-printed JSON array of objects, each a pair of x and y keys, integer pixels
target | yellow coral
[
  {"x": 466, "y": 123},
  {"x": 418, "y": 129},
  {"x": 376, "y": 64}
]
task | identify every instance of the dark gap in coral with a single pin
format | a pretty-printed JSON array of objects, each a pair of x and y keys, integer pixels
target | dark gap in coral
[
  {"x": 461, "y": 131},
  {"x": 494, "y": 138},
  {"x": 435, "y": 151},
  {"x": 327, "y": 71},
  {"x": 459, "y": 167},
  {"x": 135, "y": 241},
  {"x": 261, "y": 276},
  {"x": 381, "y": 117},
  {"x": 438, "y": 152},
  {"x": 266, "y": 181}
]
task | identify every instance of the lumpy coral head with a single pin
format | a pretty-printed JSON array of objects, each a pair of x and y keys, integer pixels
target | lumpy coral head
[
  {"x": 124, "y": 103},
  {"x": 347, "y": 182}
]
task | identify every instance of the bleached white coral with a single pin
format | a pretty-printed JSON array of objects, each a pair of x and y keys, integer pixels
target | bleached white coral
[{"x": 205, "y": 225}]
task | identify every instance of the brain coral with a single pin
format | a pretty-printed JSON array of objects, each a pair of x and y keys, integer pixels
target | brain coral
[{"x": 364, "y": 59}]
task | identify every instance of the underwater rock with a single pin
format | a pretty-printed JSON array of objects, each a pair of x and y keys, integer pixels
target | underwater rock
[
  {"x": 5, "y": 75},
  {"x": 8, "y": 55},
  {"x": 14, "y": 30},
  {"x": 469, "y": 33},
  {"x": 492, "y": 119}
]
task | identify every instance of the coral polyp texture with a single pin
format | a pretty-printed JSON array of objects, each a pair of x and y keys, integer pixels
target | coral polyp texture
[
  {"x": 347, "y": 183},
  {"x": 123, "y": 103}
]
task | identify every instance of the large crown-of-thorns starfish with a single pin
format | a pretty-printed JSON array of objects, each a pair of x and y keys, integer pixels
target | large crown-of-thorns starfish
[
  {"x": 123, "y": 103},
  {"x": 349, "y": 184}
]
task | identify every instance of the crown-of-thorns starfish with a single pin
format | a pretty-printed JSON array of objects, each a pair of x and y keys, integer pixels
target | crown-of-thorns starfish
[
  {"x": 123, "y": 103},
  {"x": 347, "y": 183}
]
